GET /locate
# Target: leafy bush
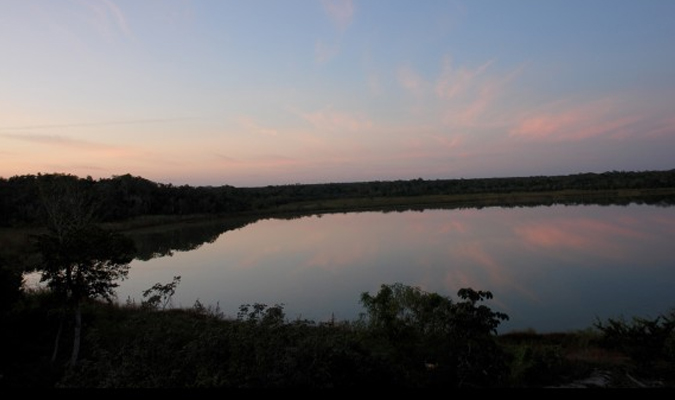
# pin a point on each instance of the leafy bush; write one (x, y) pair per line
(645, 340)
(438, 341)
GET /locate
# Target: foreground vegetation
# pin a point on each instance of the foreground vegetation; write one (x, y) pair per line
(406, 338)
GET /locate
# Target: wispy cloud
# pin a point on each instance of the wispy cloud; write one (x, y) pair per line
(460, 97)
(455, 81)
(324, 52)
(341, 12)
(108, 18)
(373, 74)
(563, 121)
(469, 97)
(57, 140)
(431, 146)
(487, 266)
(251, 125)
(664, 127)
(258, 161)
(89, 124)
(582, 234)
(332, 120)
(473, 108)
(335, 259)
(374, 83)
(85, 168)
(119, 18)
(410, 80)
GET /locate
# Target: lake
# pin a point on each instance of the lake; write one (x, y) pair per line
(550, 268)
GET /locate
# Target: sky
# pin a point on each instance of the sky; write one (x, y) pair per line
(276, 92)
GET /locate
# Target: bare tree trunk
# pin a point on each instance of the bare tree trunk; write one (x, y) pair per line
(58, 339)
(76, 335)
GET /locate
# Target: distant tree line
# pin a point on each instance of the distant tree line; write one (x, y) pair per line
(122, 197)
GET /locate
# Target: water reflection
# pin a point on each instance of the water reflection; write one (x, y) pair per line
(550, 268)
(165, 240)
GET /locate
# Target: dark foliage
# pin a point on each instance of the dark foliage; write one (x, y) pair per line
(438, 341)
(10, 286)
(144, 347)
(87, 263)
(406, 339)
(123, 197)
(650, 342)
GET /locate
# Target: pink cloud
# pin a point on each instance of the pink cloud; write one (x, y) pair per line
(552, 236)
(331, 120)
(64, 141)
(411, 81)
(460, 97)
(251, 125)
(266, 161)
(477, 253)
(456, 279)
(426, 147)
(496, 271)
(454, 82)
(374, 83)
(447, 142)
(662, 127)
(454, 226)
(469, 98)
(341, 12)
(324, 52)
(70, 125)
(576, 123)
(336, 259)
(475, 108)
(119, 18)
(255, 259)
(107, 18)
(581, 234)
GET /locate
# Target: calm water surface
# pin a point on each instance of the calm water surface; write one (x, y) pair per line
(554, 268)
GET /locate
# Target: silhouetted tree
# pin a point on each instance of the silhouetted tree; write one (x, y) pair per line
(442, 341)
(79, 259)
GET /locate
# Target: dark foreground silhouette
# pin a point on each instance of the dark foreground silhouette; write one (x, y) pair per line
(406, 338)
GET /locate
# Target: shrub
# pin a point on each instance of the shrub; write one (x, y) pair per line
(438, 341)
(644, 340)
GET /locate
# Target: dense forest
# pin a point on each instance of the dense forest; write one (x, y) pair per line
(123, 197)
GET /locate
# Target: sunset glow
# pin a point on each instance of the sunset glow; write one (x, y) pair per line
(268, 92)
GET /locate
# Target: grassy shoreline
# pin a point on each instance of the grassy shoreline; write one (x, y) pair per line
(386, 204)
(479, 200)
(14, 239)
